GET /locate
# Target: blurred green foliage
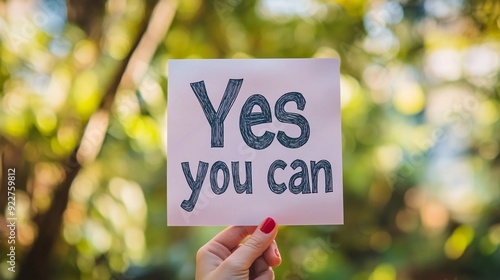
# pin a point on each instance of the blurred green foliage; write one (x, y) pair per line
(420, 120)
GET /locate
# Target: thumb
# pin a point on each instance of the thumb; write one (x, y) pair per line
(255, 245)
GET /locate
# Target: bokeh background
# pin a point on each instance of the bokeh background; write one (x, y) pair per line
(82, 119)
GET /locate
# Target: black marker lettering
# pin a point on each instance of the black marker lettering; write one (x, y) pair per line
(292, 118)
(219, 165)
(247, 186)
(303, 187)
(194, 185)
(326, 166)
(249, 119)
(275, 188)
(216, 119)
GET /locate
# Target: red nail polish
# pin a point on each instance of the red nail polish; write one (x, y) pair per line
(277, 253)
(268, 225)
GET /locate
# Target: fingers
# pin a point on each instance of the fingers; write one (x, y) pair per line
(272, 255)
(230, 238)
(212, 254)
(233, 236)
(266, 275)
(261, 270)
(226, 253)
(255, 246)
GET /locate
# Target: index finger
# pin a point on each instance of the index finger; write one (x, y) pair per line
(232, 236)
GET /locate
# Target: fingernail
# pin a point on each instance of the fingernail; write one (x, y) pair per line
(268, 225)
(277, 253)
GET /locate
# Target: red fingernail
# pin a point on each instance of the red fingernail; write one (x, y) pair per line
(277, 253)
(268, 225)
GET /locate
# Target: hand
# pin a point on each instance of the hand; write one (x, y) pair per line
(226, 257)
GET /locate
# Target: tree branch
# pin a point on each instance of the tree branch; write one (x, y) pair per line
(36, 264)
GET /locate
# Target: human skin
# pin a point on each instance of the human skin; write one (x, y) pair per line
(229, 256)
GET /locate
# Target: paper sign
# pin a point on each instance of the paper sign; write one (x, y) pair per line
(254, 138)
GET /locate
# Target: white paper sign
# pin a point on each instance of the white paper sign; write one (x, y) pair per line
(254, 138)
